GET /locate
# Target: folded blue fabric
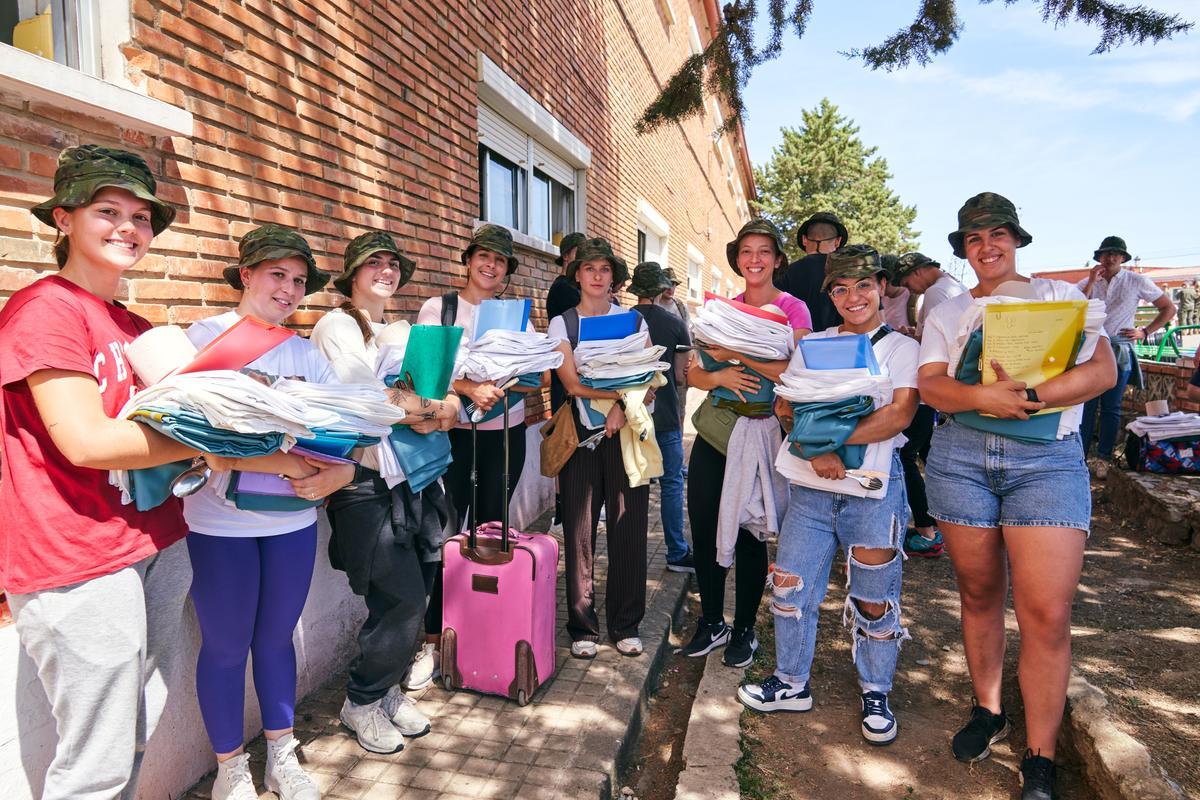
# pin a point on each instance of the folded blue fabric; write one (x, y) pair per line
(151, 486)
(1038, 428)
(819, 428)
(532, 379)
(424, 457)
(336, 443)
(616, 384)
(252, 501)
(194, 430)
(766, 387)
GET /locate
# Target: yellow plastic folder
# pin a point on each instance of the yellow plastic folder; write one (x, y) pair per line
(1033, 341)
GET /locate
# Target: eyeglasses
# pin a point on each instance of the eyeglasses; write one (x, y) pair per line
(862, 287)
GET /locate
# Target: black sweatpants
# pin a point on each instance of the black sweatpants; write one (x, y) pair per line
(591, 479)
(372, 542)
(706, 473)
(919, 433)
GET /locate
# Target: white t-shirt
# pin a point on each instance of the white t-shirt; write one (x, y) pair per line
(943, 289)
(895, 309)
(939, 344)
(431, 314)
(212, 515)
(1121, 296)
(897, 355)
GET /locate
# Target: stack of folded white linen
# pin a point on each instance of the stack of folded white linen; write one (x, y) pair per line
(722, 323)
(501, 355)
(800, 385)
(615, 364)
(1177, 425)
(360, 408)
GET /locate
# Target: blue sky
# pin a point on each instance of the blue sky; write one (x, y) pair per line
(1085, 145)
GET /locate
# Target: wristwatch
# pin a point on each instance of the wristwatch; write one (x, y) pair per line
(621, 402)
(1031, 396)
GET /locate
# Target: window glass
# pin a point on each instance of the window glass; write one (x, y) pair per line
(562, 211)
(539, 206)
(59, 30)
(641, 246)
(502, 187)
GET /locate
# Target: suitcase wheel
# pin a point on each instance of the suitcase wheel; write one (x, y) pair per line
(525, 681)
(450, 659)
(522, 698)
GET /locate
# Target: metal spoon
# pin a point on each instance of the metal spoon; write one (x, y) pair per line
(869, 482)
(192, 479)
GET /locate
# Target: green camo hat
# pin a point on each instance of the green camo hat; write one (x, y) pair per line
(760, 226)
(495, 238)
(983, 211)
(592, 249)
(1112, 244)
(887, 263)
(909, 263)
(827, 217)
(851, 261)
(363, 247)
(270, 242)
(649, 280)
(569, 243)
(82, 171)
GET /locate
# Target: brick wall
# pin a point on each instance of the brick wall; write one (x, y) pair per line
(335, 122)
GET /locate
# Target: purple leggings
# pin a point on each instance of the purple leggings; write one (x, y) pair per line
(248, 594)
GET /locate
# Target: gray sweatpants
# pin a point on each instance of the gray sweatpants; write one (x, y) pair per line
(105, 651)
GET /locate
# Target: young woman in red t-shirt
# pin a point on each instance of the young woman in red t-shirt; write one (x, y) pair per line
(97, 587)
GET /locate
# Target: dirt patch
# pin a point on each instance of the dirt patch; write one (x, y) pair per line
(654, 768)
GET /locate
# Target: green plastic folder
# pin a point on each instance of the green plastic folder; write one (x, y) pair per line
(429, 359)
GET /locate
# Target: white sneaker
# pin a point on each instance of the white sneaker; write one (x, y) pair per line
(373, 726)
(584, 649)
(425, 669)
(233, 780)
(404, 714)
(285, 777)
(630, 646)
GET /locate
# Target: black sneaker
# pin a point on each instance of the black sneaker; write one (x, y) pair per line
(742, 644)
(1037, 777)
(708, 637)
(775, 694)
(879, 726)
(685, 564)
(974, 742)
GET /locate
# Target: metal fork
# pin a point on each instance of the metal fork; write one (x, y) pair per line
(869, 482)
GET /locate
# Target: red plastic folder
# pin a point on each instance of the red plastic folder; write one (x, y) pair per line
(753, 311)
(242, 344)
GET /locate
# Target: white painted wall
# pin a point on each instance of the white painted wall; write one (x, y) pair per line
(178, 754)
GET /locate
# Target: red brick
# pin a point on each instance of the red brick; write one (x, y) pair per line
(154, 314)
(153, 39)
(148, 290)
(217, 24)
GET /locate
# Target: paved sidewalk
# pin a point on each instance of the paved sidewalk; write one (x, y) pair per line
(565, 744)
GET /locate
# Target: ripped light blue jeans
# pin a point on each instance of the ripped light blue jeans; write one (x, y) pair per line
(816, 524)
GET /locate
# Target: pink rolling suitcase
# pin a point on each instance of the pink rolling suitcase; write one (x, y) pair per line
(499, 604)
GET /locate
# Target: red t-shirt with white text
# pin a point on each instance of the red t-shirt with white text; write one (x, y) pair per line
(61, 524)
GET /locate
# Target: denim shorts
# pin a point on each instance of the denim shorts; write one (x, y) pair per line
(984, 480)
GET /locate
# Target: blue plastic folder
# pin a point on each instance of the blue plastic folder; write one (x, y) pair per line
(501, 315)
(429, 358)
(610, 326)
(849, 351)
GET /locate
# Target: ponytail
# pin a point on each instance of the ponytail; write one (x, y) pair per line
(359, 317)
(62, 248)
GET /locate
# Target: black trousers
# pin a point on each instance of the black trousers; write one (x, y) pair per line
(706, 473)
(373, 543)
(919, 433)
(591, 479)
(490, 490)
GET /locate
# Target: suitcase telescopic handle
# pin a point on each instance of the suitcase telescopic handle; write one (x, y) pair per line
(504, 498)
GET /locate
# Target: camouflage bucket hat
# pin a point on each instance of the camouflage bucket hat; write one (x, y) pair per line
(851, 261)
(1112, 244)
(826, 217)
(269, 242)
(909, 263)
(649, 280)
(363, 247)
(761, 227)
(592, 249)
(887, 263)
(82, 171)
(496, 239)
(569, 243)
(983, 211)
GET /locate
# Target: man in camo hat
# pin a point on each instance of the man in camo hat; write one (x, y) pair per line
(667, 330)
(921, 275)
(1122, 291)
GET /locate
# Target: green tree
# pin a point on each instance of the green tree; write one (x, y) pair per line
(726, 64)
(824, 166)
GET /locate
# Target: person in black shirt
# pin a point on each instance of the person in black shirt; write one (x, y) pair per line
(563, 295)
(667, 330)
(820, 235)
